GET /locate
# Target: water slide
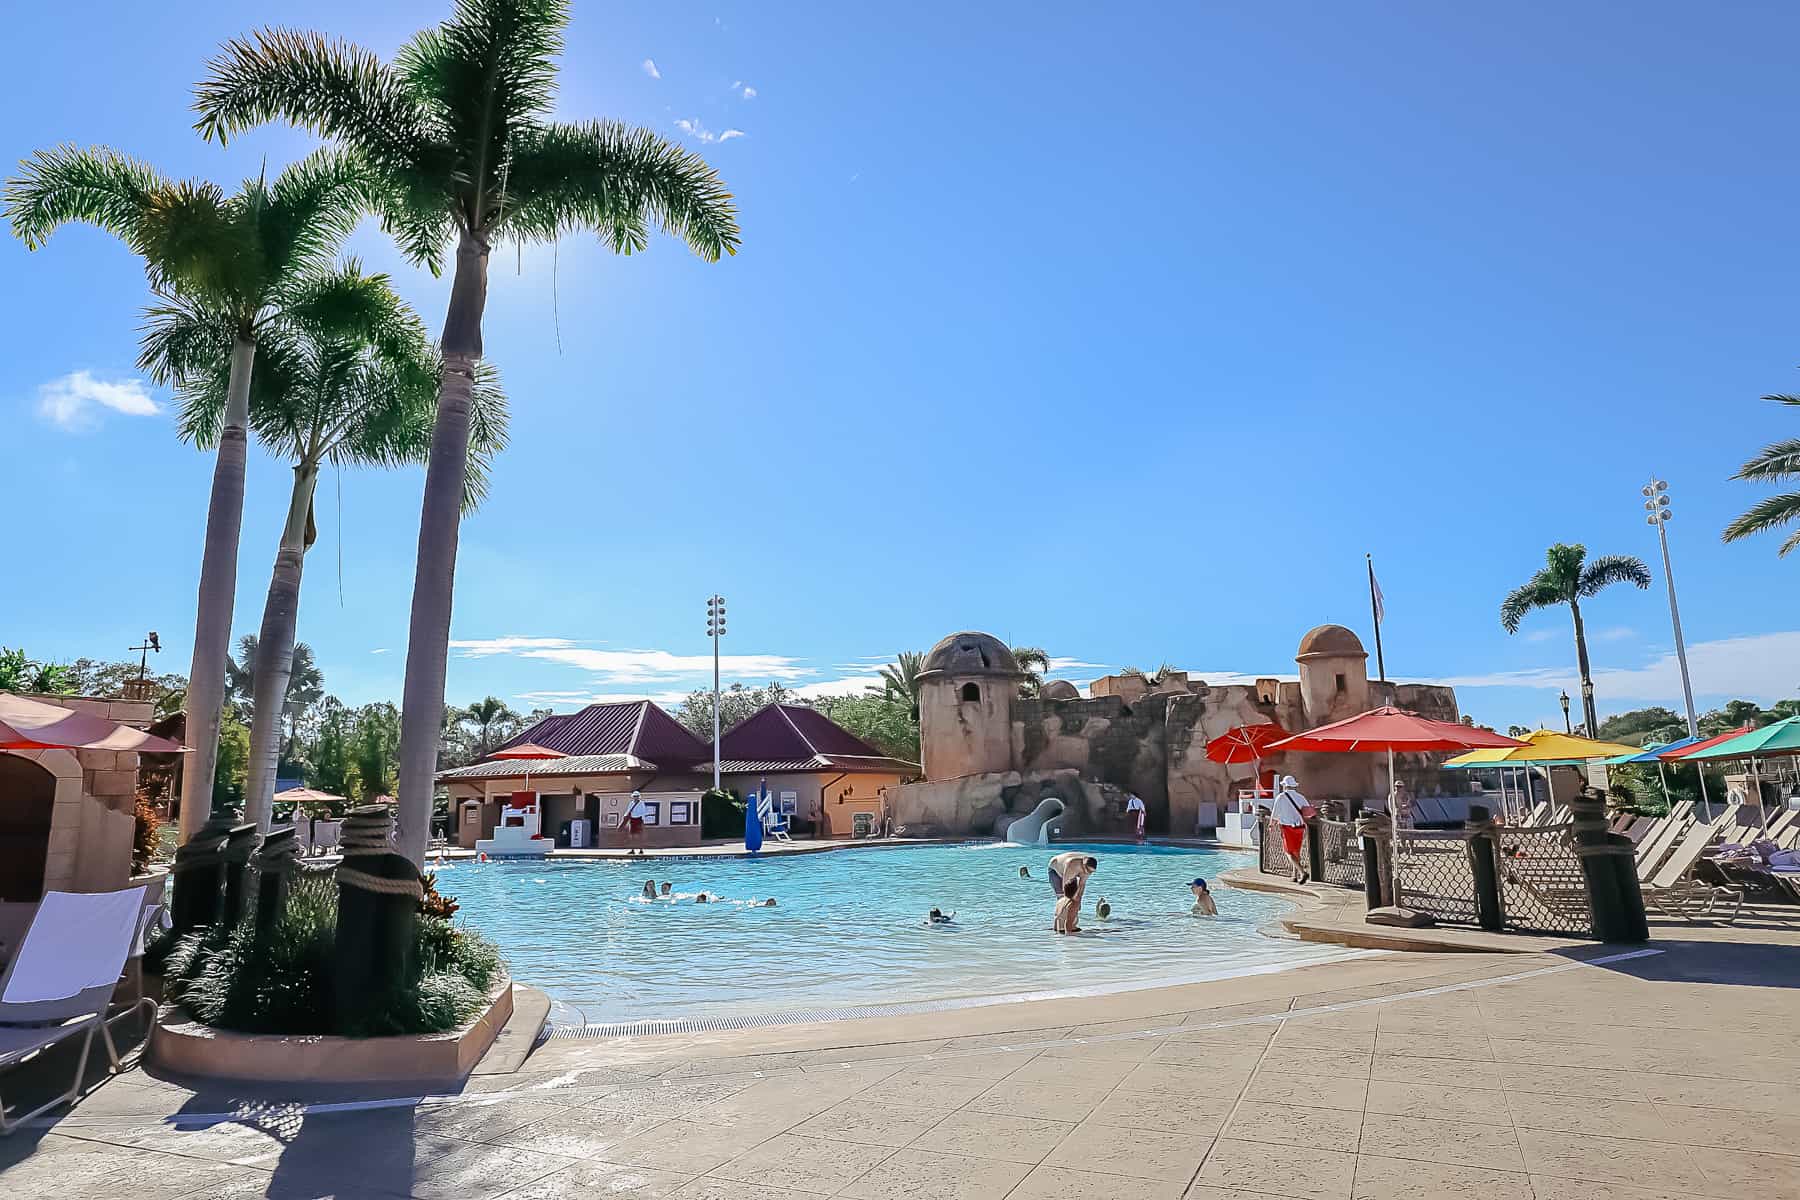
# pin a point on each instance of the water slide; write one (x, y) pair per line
(1035, 829)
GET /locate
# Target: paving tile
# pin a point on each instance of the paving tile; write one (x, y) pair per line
(1320, 1035)
(1169, 1112)
(1295, 1173)
(1569, 1081)
(1180, 1080)
(730, 1189)
(1301, 1060)
(1274, 1088)
(1126, 1050)
(587, 1180)
(1038, 1099)
(933, 1175)
(1073, 1072)
(426, 1167)
(1549, 1187)
(1209, 1055)
(1382, 1178)
(1734, 1130)
(686, 1149)
(993, 1135)
(1291, 1125)
(982, 1064)
(938, 1093)
(1608, 1118)
(1706, 1092)
(869, 1122)
(1442, 1072)
(1061, 1183)
(580, 1133)
(1609, 1160)
(802, 1164)
(1566, 1054)
(1436, 1100)
(1494, 1147)
(480, 1122)
(1140, 1154)
(1735, 1173)
(1472, 1048)
(1201, 1191)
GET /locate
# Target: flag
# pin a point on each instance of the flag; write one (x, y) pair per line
(1375, 595)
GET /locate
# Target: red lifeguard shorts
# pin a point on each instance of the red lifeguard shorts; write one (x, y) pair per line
(637, 824)
(1291, 837)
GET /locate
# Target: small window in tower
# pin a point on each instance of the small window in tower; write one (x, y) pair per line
(971, 691)
(1342, 684)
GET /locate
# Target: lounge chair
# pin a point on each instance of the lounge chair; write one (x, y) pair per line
(60, 984)
(1674, 890)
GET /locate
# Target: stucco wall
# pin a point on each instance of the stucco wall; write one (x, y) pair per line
(965, 737)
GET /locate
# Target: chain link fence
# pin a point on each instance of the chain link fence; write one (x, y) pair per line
(1436, 876)
(1340, 851)
(1542, 888)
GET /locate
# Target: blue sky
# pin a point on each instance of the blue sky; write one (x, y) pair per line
(1122, 330)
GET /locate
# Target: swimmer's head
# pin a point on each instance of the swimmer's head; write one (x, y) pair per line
(769, 903)
(1069, 889)
(1093, 864)
(1199, 885)
(1024, 872)
(665, 887)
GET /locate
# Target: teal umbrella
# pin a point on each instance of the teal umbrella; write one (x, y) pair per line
(1783, 737)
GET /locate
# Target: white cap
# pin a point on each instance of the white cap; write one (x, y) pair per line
(1288, 781)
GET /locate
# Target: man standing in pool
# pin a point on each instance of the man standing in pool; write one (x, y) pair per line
(1072, 868)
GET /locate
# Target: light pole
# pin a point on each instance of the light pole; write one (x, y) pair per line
(1656, 512)
(1567, 728)
(715, 629)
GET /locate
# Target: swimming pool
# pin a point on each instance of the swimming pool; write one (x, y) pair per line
(849, 929)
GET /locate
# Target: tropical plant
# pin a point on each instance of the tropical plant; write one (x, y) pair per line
(239, 260)
(19, 672)
(458, 135)
(880, 720)
(1568, 578)
(349, 381)
(1034, 662)
(1779, 462)
(306, 686)
(377, 740)
(737, 703)
(900, 681)
(490, 721)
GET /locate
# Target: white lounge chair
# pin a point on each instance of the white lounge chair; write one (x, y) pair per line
(1674, 889)
(60, 984)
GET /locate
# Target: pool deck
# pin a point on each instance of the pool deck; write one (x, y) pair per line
(1551, 1072)
(734, 848)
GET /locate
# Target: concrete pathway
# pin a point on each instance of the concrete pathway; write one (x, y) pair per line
(1566, 1075)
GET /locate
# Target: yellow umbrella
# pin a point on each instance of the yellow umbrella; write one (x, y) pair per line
(1485, 757)
(1548, 746)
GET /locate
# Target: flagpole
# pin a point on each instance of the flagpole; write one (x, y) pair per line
(1375, 611)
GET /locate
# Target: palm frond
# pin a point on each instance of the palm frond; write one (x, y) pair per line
(1540, 591)
(181, 339)
(335, 89)
(489, 418)
(99, 187)
(1778, 460)
(1767, 514)
(313, 206)
(1782, 398)
(615, 179)
(1609, 569)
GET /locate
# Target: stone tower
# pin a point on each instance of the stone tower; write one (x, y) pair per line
(1334, 674)
(967, 690)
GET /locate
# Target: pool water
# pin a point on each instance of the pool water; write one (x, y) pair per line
(849, 929)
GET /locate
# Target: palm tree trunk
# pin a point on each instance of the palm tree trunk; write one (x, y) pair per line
(440, 520)
(218, 589)
(1587, 681)
(275, 651)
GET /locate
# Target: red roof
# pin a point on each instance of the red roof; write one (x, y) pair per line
(635, 727)
(795, 734)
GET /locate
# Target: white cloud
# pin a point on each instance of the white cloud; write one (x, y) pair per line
(701, 133)
(584, 698)
(1543, 635)
(73, 401)
(650, 69)
(380, 650)
(1059, 665)
(743, 89)
(1618, 633)
(1760, 667)
(849, 685)
(633, 666)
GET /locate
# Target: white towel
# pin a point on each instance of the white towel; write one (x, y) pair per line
(76, 941)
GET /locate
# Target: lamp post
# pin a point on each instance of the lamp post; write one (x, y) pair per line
(1567, 728)
(1656, 512)
(715, 629)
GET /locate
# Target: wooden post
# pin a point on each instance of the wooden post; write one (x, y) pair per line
(240, 844)
(1376, 833)
(378, 898)
(1484, 866)
(275, 862)
(199, 877)
(1609, 871)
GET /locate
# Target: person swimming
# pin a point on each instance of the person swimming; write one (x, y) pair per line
(667, 888)
(649, 889)
(1024, 872)
(1204, 905)
(769, 903)
(702, 898)
(936, 917)
(1068, 910)
(1103, 908)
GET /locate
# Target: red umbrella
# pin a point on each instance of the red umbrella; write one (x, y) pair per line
(1677, 753)
(1395, 731)
(1245, 743)
(528, 750)
(35, 725)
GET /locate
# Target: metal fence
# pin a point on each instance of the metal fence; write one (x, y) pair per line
(1542, 889)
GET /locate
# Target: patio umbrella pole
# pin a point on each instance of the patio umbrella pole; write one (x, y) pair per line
(1394, 828)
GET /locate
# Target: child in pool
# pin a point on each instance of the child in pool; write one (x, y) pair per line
(1068, 910)
(936, 917)
(1024, 872)
(1203, 899)
(702, 898)
(649, 889)
(666, 890)
(1103, 908)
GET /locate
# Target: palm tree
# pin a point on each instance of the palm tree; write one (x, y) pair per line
(900, 681)
(351, 384)
(1034, 662)
(1779, 462)
(1568, 578)
(239, 260)
(457, 132)
(494, 722)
